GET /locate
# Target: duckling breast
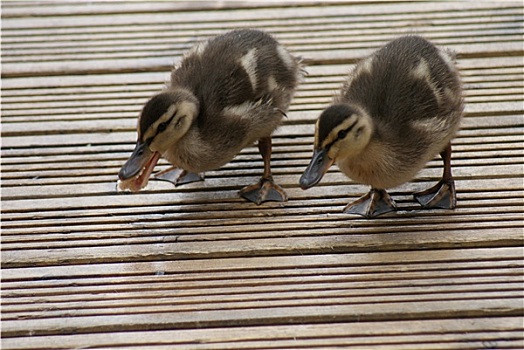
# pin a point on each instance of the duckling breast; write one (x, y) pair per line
(381, 166)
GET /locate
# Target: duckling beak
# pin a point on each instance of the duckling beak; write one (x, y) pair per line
(135, 173)
(319, 165)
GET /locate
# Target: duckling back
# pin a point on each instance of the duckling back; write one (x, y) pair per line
(244, 81)
(407, 79)
(412, 93)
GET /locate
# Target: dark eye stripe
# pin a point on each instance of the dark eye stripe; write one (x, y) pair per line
(163, 126)
(344, 131)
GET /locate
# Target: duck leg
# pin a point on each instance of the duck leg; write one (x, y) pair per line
(376, 202)
(178, 176)
(443, 194)
(265, 189)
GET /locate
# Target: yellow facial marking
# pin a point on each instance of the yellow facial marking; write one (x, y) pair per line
(152, 130)
(333, 135)
(316, 134)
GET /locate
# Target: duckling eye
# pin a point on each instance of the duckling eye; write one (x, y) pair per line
(342, 134)
(162, 126)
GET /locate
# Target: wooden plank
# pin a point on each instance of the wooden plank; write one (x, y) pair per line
(31, 85)
(290, 34)
(241, 265)
(502, 89)
(93, 170)
(222, 293)
(221, 227)
(161, 304)
(155, 63)
(162, 44)
(203, 291)
(231, 290)
(71, 158)
(467, 141)
(480, 78)
(231, 264)
(505, 99)
(320, 239)
(218, 216)
(173, 198)
(474, 80)
(158, 44)
(126, 124)
(366, 12)
(325, 267)
(480, 200)
(47, 99)
(480, 171)
(249, 317)
(11, 9)
(164, 63)
(195, 247)
(468, 332)
(292, 28)
(103, 135)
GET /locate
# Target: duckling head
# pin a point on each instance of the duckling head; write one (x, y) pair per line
(342, 131)
(164, 120)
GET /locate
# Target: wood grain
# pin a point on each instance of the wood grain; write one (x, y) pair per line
(197, 267)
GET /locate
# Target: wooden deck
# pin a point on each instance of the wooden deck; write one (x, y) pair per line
(197, 267)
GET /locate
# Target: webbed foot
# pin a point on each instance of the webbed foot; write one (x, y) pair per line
(264, 190)
(178, 176)
(442, 195)
(374, 203)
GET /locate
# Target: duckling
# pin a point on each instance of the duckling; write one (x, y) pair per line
(398, 108)
(228, 92)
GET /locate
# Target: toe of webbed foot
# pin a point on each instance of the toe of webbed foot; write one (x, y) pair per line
(373, 204)
(442, 196)
(178, 176)
(264, 190)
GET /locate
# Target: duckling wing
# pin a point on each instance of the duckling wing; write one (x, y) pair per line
(407, 80)
(239, 71)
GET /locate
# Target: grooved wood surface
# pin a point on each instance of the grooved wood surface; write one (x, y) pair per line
(197, 267)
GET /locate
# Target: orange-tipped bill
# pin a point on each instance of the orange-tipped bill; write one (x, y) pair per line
(319, 165)
(135, 173)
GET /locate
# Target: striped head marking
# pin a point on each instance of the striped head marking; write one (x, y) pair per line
(343, 130)
(166, 118)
